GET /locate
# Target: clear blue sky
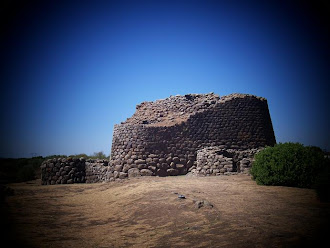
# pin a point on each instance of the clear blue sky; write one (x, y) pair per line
(70, 71)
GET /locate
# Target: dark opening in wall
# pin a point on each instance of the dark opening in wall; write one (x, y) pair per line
(236, 165)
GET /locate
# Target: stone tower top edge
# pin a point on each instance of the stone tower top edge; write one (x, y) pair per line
(178, 108)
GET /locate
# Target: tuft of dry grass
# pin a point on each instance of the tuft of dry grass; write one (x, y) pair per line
(146, 212)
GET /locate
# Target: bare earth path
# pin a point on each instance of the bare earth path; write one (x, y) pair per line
(146, 212)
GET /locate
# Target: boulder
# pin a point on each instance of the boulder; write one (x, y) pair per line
(176, 160)
(172, 172)
(142, 166)
(146, 172)
(161, 173)
(149, 160)
(202, 203)
(162, 160)
(152, 168)
(118, 168)
(180, 166)
(183, 161)
(169, 160)
(134, 172)
(183, 171)
(163, 166)
(122, 175)
(126, 168)
(153, 156)
(140, 161)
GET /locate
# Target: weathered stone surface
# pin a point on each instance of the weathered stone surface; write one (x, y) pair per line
(172, 172)
(152, 168)
(142, 166)
(163, 166)
(126, 167)
(122, 175)
(176, 160)
(134, 172)
(180, 166)
(202, 203)
(146, 172)
(161, 173)
(168, 160)
(118, 168)
(140, 161)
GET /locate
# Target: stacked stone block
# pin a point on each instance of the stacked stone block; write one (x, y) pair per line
(63, 171)
(98, 171)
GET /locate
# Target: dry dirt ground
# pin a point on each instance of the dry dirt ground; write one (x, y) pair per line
(146, 212)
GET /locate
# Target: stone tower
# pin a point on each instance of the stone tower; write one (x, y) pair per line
(165, 136)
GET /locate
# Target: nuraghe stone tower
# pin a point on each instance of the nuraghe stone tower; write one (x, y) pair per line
(201, 133)
(198, 133)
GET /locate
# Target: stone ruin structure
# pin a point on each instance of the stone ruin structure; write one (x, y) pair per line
(198, 133)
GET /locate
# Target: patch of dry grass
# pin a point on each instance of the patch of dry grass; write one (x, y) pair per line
(145, 212)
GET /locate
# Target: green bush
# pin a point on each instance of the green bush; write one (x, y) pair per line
(288, 164)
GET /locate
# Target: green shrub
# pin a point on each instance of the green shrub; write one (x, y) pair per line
(288, 164)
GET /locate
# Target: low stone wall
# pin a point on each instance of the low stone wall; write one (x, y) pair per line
(98, 171)
(210, 161)
(63, 171)
(215, 161)
(74, 170)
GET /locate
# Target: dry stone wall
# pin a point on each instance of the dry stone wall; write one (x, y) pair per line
(215, 161)
(74, 170)
(63, 171)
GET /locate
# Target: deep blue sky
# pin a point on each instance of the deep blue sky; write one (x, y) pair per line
(70, 71)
